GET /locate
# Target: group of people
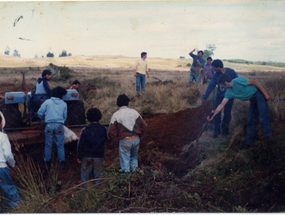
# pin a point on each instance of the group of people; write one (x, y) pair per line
(229, 87)
(127, 126)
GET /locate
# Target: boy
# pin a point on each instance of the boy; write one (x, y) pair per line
(245, 89)
(10, 190)
(90, 148)
(140, 71)
(125, 129)
(75, 85)
(54, 111)
(220, 124)
(42, 86)
(197, 62)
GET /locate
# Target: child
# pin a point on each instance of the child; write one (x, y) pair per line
(10, 190)
(244, 89)
(54, 111)
(90, 148)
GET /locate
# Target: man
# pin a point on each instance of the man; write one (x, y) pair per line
(126, 128)
(198, 61)
(140, 71)
(43, 91)
(75, 85)
(209, 70)
(219, 69)
(245, 89)
(54, 111)
(10, 191)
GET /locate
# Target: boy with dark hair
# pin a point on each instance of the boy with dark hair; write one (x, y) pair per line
(54, 111)
(219, 125)
(10, 190)
(245, 89)
(125, 129)
(198, 61)
(42, 86)
(90, 148)
(209, 70)
(75, 85)
(140, 71)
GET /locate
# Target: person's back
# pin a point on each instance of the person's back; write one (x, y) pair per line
(90, 148)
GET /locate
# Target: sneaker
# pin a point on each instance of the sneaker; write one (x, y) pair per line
(62, 165)
(215, 134)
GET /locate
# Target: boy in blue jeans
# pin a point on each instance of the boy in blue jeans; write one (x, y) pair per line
(10, 190)
(54, 111)
(90, 148)
(245, 89)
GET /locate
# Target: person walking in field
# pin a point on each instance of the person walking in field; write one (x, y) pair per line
(140, 71)
(198, 61)
(125, 129)
(219, 125)
(90, 148)
(10, 190)
(245, 89)
(54, 111)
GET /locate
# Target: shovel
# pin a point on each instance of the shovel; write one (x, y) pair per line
(192, 145)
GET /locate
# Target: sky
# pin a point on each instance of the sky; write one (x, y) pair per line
(249, 30)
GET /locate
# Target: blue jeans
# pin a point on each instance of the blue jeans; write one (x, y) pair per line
(128, 152)
(91, 166)
(226, 119)
(140, 82)
(54, 131)
(258, 110)
(194, 76)
(10, 190)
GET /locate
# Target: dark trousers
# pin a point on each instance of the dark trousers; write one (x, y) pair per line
(226, 119)
(258, 110)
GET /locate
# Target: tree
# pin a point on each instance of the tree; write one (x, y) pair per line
(7, 50)
(16, 53)
(209, 51)
(63, 54)
(49, 54)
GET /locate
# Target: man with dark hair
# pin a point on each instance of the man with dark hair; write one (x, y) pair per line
(75, 85)
(54, 111)
(140, 71)
(245, 89)
(126, 128)
(198, 62)
(219, 69)
(208, 68)
(42, 86)
(10, 191)
(90, 148)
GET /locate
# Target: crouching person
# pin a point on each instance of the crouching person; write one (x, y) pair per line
(54, 111)
(125, 129)
(90, 148)
(10, 190)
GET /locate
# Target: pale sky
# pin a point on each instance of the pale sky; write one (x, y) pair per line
(250, 30)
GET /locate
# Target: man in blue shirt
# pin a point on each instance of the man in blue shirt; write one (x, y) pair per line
(219, 69)
(198, 61)
(244, 89)
(54, 111)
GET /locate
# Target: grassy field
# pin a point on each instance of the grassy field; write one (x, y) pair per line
(223, 179)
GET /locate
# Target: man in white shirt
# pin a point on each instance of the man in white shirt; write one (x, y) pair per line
(140, 71)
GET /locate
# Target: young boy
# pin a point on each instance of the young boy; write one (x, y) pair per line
(245, 89)
(54, 111)
(75, 85)
(42, 86)
(90, 148)
(10, 190)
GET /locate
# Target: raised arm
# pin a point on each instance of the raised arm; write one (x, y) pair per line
(191, 52)
(259, 87)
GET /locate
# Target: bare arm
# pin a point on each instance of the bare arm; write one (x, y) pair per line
(135, 72)
(218, 109)
(259, 87)
(147, 74)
